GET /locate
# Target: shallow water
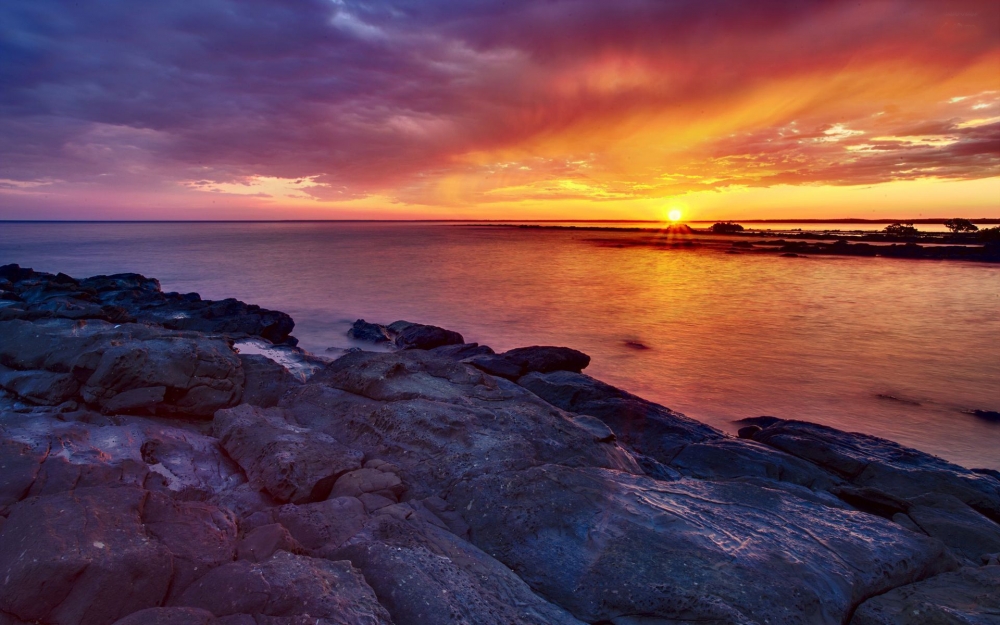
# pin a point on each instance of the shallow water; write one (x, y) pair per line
(892, 347)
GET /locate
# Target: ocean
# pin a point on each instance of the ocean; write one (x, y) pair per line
(897, 348)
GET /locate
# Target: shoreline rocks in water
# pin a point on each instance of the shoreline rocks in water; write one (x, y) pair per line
(152, 473)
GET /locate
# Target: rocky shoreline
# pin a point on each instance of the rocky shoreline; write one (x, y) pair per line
(153, 472)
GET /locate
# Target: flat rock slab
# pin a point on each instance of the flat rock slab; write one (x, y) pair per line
(688, 550)
(293, 464)
(968, 596)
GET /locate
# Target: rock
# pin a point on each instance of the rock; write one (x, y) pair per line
(729, 458)
(127, 368)
(200, 376)
(288, 585)
(169, 616)
(291, 463)
(497, 365)
(968, 596)
(81, 557)
(869, 461)
(44, 455)
(462, 351)
(645, 427)
(199, 536)
(441, 422)
(131, 297)
(748, 431)
(261, 542)
(355, 483)
(872, 501)
(546, 359)
(39, 387)
(687, 550)
(425, 575)
(265, 380)
(419, 336)
(966, 532)
(369, 332)
(318, 527)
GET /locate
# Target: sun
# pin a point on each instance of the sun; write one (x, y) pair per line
(674, 214)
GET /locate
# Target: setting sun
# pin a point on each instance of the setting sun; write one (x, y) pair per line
(674, 215)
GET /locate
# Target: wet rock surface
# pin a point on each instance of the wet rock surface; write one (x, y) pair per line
(153, 472)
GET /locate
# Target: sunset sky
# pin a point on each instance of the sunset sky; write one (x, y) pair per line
(586, 109)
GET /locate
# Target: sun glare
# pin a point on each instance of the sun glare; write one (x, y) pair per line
(674, 214)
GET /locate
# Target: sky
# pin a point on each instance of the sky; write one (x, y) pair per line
(499, 109)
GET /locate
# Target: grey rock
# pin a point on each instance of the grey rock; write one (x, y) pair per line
(291, 463)
(968, 596)
(288, 585)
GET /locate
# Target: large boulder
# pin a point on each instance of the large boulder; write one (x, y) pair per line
(607, 545)
(967, 596)
(291, 463)
(124, 369)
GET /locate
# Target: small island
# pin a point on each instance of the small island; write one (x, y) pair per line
(170, 460)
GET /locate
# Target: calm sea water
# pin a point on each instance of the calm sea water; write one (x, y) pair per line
(826, 339)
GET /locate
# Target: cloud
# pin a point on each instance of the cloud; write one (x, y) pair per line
(423, 101)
